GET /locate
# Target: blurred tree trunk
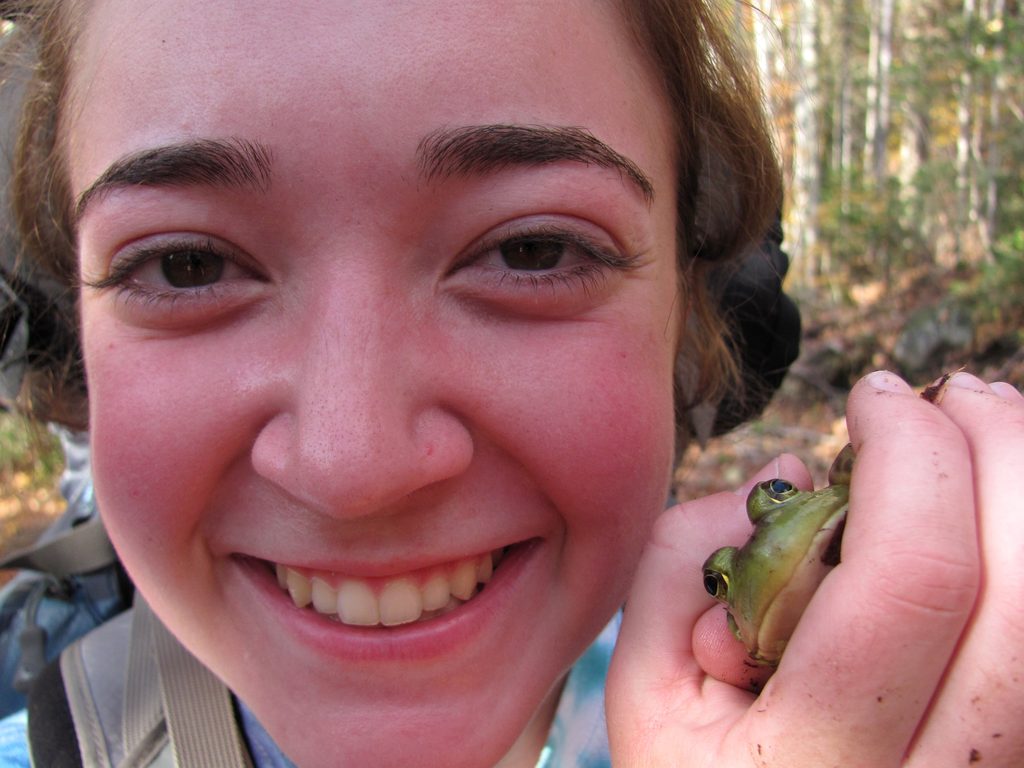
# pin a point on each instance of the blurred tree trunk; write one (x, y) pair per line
(844, 130)
(879, 120)
(765, 46)
(967, 192)
(871, 87)
(915, 121)
(766, 23)
(996, 25)
(879, 111)
(806, 192)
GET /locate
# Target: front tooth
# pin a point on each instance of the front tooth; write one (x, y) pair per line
(436, 593)
(299, 588)
(464, 580)
(357, 604)
(400, 602)
(282, 576)
(325, 599)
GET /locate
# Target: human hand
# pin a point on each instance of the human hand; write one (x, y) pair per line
(911, 652)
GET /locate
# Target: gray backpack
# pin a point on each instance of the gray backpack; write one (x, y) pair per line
(128, 695)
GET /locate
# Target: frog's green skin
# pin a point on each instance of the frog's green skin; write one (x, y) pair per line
(767, 583)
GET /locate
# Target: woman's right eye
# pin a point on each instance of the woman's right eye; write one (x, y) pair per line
(191, 268)
(194, 277)
(172, 266)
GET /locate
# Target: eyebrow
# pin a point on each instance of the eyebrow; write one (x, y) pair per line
(479, 149)
(211, 162)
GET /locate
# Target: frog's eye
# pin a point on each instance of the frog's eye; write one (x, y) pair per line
(778, 489)
(716, 583)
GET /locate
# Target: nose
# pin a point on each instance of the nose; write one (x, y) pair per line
(364, 419)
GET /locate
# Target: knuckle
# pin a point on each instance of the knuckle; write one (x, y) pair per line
(933, 585)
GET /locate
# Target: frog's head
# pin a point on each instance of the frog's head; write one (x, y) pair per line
(767, 583)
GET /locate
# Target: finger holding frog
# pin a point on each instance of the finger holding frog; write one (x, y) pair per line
(832, 661)
(861, 671)
(872, 647)
(977, 713)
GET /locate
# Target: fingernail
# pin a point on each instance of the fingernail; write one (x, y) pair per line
(964, 380)
(1007, 391)
(885, 381)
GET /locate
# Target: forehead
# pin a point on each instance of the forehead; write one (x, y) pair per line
(377, 75)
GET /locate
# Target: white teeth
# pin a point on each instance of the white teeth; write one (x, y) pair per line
(436, 593)
(299, 588)
(325, 599)
(401, 601)
(356, 604)
(464, 580)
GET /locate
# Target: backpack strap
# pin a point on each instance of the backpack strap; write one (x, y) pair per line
(197, 705)
(51, 731)
(161, 708)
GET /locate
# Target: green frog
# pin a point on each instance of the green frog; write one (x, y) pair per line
(767, 583)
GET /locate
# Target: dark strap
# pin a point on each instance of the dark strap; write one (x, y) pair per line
(51, 730)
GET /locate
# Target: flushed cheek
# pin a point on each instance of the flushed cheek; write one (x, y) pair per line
(163, 433)
(601, 436)
(613, 473)
(611, 402)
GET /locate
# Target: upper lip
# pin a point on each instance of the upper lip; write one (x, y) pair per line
(380, 568)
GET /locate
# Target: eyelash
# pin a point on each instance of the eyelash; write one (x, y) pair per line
(598, 260)
(122, 276)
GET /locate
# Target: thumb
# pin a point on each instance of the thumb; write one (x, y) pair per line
(658, 670)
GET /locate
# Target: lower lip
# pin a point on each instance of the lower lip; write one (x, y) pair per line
(415, 641)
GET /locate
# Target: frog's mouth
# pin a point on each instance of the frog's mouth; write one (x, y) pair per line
(393, 601)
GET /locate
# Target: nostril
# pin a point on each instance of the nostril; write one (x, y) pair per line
(269, 454)
(446, 443)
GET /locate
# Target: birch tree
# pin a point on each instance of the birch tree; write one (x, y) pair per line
(806, 192)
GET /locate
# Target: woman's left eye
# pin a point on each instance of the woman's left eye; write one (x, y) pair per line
(545, 255)
(552, 268)
(191, 268)
(532, 255)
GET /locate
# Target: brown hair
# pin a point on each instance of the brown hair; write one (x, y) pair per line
(729, 184)
(54, 388)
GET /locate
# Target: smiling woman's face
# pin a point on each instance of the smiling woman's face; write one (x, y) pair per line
(339, 332)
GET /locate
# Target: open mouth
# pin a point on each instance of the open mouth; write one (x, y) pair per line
(390, 602)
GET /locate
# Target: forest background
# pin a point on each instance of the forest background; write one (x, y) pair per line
(900, 125)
